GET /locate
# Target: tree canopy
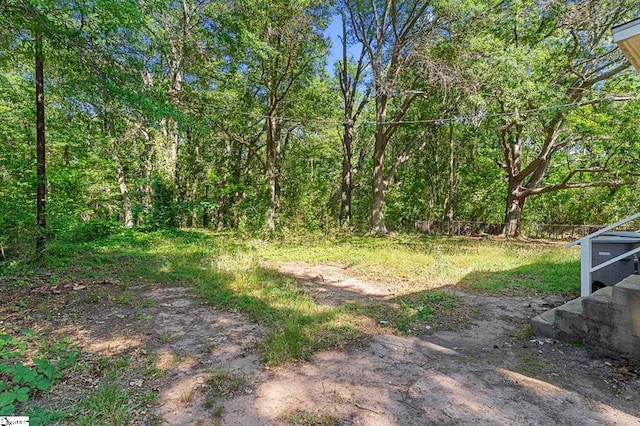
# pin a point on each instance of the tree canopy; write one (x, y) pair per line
(229, 115)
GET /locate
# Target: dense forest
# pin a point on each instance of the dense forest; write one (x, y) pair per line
(308, 114)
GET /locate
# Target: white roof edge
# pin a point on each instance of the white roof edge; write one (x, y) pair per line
(626, 30)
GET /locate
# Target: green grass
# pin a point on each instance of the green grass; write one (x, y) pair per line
(304, 418)
(110, 404)
(231, 271)
(421, 262)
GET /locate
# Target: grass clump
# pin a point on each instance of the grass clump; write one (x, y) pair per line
(222, 382)
(305, 418)
(110, 404)
(425, 306)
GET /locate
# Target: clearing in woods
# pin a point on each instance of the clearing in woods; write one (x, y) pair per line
(182, 361)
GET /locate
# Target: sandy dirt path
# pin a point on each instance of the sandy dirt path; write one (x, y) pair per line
(482, 374)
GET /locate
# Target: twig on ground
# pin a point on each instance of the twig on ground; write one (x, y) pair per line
(366, 408)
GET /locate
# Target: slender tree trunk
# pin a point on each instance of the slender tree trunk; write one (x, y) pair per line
(347, 171)
(222, 210)
(377, 205)
(148, 173)
(206, 218)
(41, 219)
(349, 84)
(273, 172)
(124, 192)
(240, 170)
(147, 191)
(224, 198)
(169, 150)
(452, 179)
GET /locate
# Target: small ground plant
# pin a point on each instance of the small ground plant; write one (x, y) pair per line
(21, 380)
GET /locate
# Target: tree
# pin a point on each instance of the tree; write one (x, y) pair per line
(287, 51)
(41, 218)
(393, 34)
(351, 76)
(548, 61)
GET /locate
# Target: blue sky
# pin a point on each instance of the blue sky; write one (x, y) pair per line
(335, 52)
(332, 31)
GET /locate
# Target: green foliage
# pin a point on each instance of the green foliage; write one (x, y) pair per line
(164, 213)
(18, 382)
(39, 416)
(207, 88)
(426, 306)
(92, 230)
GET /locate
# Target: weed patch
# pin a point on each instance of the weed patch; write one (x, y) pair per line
(19, 381)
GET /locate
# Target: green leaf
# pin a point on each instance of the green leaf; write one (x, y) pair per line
(22, 374)
(44, 366)
(43, 383)
(7, 409)
(6, 398)
(23, 394)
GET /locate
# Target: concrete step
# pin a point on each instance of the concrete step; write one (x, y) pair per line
(542, 325)
(627, 291)
(608, 319)
(565, 323)
(569, 323)
(598, 305)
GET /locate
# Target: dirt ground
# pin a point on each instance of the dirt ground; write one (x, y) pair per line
(489, 371)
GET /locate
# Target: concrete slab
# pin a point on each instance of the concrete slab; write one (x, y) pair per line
(598, 305)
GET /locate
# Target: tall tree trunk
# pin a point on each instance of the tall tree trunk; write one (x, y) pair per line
(169, 150)
(377, 215)
(41, 219)
(513, 214)
(347, 171)
(349, 84)
(206, 217)
(124, 193)
(148, 173)
(452, 179)
(273, 172)
(240, 179)
(224, 198)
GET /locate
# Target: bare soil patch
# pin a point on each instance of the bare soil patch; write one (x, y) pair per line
(204, 362)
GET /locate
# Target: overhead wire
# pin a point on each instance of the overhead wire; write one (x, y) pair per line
(439, 120)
